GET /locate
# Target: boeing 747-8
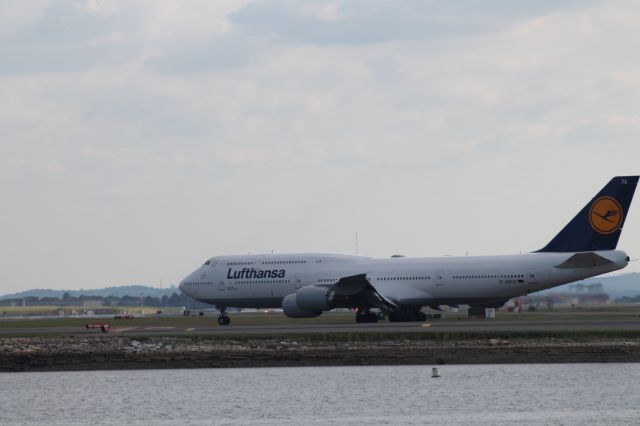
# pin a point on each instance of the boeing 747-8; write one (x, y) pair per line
(306, 285)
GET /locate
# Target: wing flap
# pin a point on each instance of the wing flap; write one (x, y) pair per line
(357, 284)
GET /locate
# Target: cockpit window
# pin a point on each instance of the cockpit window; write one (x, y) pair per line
(207, 262)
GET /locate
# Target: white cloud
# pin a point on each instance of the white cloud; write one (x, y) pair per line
(175, 21)
(99, 7)
(18, 15)
(324, 11)
(12, 169)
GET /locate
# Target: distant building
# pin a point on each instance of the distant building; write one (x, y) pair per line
(91, 303)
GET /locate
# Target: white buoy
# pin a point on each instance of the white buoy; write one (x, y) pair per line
(434, 372)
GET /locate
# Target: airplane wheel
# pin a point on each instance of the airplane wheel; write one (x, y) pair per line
(395, 317)
(224, 320)
(368, 317)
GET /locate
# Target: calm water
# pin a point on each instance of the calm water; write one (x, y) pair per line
(567, 394)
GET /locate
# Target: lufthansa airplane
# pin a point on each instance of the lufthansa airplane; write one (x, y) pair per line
(306, 285)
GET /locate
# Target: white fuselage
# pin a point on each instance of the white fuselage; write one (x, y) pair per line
(262, 281)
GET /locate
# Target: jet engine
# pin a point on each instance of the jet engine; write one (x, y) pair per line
(291, 309)
(308, 302)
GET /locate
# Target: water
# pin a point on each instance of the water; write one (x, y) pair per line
(558, 394)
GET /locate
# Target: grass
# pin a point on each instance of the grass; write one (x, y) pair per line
(27, 326)
(173, 321)
(151, 319)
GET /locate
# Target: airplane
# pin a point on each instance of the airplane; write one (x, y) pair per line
(305, 285)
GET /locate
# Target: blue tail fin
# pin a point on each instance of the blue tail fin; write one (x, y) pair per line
(599, 224)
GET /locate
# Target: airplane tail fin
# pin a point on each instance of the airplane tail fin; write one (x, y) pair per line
(599, 224)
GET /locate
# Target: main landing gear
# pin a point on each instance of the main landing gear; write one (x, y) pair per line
(407, 315)
(365, 315)
(223, 319)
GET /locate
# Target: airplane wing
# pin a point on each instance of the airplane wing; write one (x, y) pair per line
(359, 286)
(583, 260)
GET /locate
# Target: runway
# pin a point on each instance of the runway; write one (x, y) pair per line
(625, 323)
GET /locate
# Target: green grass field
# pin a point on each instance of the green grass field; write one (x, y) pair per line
(172, 321)
(151, 319)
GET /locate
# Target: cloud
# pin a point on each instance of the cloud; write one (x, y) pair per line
(211, 54)
(19, 169)
(610, 130)
(366, 21)
(17, 15)
(61, 36)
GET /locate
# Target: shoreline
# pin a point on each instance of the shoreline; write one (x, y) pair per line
(72, 353)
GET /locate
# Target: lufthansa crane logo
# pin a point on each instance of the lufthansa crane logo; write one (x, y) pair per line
(605, 215)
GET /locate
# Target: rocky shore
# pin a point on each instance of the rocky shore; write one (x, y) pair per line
(119, 352)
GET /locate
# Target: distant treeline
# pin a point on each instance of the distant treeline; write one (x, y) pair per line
(175, 300)
(635, 299)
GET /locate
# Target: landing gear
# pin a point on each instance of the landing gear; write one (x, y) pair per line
(479, 311)
(223, 319)
(476, 311)
(365, 315)
(407, 315)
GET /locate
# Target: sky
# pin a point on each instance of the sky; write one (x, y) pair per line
(139, 138)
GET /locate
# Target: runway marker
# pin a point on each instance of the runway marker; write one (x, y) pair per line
(425, 325)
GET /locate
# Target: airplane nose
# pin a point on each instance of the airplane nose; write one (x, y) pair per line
(184, 286)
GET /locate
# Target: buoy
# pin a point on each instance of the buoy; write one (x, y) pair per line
(434, 372)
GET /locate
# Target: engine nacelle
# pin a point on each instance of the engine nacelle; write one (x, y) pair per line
(290, 308)
(315, 299)
(308, 302)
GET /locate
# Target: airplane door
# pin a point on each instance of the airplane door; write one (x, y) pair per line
(532, 280)
(297, 281)
(221, 286)
(439, 277)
